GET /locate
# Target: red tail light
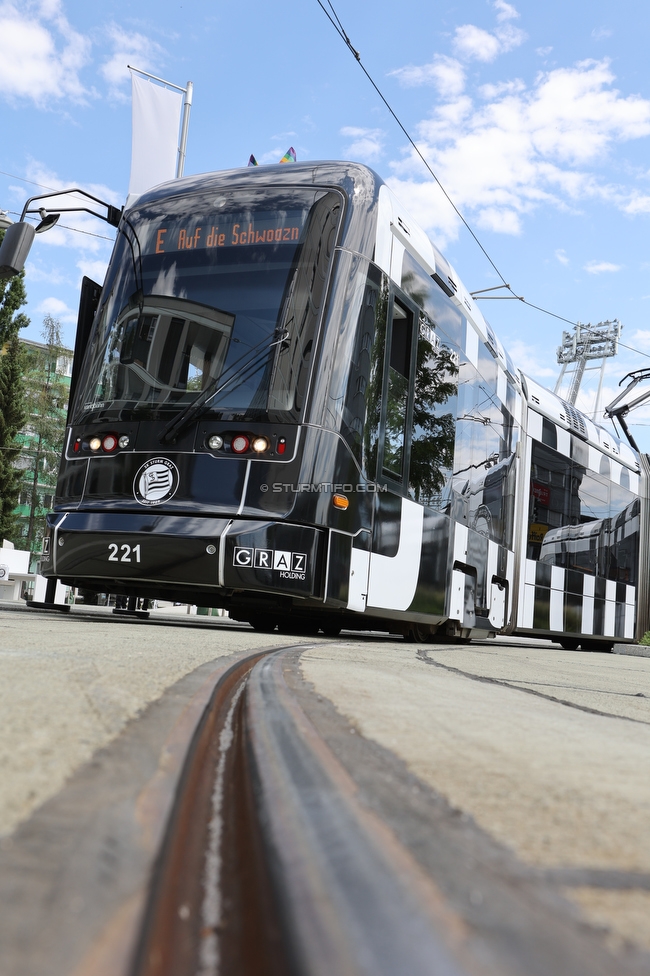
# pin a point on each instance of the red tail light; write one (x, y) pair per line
(240, 444)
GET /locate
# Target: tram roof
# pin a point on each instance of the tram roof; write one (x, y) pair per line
(363, 188)
(551, 406)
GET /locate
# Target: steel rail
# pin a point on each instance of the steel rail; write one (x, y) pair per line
(271, 868)
(209, 907)
(351, 900)
(276, 862)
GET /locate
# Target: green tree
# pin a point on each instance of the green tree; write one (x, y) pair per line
(12, 297)
(46, 397)
(12, 417)
(434, 431)
(12, 411)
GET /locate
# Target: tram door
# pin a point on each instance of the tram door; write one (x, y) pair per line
(397, 528)
(397, 400)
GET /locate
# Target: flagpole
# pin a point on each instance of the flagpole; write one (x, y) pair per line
(187, 105)
(185, 121)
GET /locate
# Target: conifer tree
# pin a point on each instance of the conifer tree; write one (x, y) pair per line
(12, 417)
(12, 297)
(12, 394)
(46, 397)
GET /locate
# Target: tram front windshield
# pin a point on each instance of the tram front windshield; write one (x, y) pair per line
(214, 296)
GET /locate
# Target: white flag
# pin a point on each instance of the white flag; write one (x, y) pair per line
(154, 147)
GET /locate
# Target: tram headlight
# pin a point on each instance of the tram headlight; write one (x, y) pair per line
(124, 440)
(215, 442)
(260, 444)
(95, 443)
(240, 443)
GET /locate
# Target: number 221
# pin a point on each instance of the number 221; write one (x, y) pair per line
(127, 551)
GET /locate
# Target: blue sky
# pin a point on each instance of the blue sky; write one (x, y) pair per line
(536, 117)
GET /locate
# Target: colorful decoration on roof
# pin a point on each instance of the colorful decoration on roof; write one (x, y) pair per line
(289, 156)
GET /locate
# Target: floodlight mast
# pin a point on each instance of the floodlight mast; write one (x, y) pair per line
(587, 342)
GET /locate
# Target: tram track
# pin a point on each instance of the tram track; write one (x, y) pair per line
(264, 835)
(270, 868)
(279, 861)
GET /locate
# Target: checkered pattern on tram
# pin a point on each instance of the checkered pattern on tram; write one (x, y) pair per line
(565, 601)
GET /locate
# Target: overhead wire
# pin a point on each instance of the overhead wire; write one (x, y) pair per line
(77, 230)
(340, 30)
(338, 27)
(43, 186)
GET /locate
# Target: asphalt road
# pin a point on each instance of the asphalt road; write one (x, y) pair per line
(545, 751)
(70, 683)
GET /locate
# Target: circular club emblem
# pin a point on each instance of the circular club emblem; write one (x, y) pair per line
(156, 481)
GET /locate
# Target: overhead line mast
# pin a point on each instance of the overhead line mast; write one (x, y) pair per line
(586, 343)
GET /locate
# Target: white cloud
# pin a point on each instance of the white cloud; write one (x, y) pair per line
(58, 309)
(366, 145)
(534, 361)
(598, 33)
(601, 267)
(427, 202)
(79, 231)
(447, 74)
(639, 203)
(128, 47)
(505, 11)
(560, 254)
(96, 270)
(526, 146)
(639, 339)
(41, 54)
(499, 219)
(53, 276)
(491, 92)
(476, 44)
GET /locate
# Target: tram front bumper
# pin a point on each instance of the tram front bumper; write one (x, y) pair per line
(233, 554)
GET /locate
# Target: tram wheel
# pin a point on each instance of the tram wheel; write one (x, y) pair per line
(418, 634)
(266, 625)
(298, 628)
(569, 643)
(331, 630)
(605, 647)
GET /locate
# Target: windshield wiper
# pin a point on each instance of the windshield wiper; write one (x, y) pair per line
(246, 362)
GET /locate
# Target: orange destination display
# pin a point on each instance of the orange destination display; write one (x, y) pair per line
(229, 230)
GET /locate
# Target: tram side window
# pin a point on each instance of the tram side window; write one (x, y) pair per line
(434, 419)
(303, 301)
(484, 473)
(442, 312)
(397, 391)
(579, 519)
(362, 405)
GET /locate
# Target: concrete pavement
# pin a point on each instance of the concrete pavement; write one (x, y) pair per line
(70, 683)
(547, 750)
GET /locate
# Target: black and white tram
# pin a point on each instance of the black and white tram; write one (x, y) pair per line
(286, 404)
